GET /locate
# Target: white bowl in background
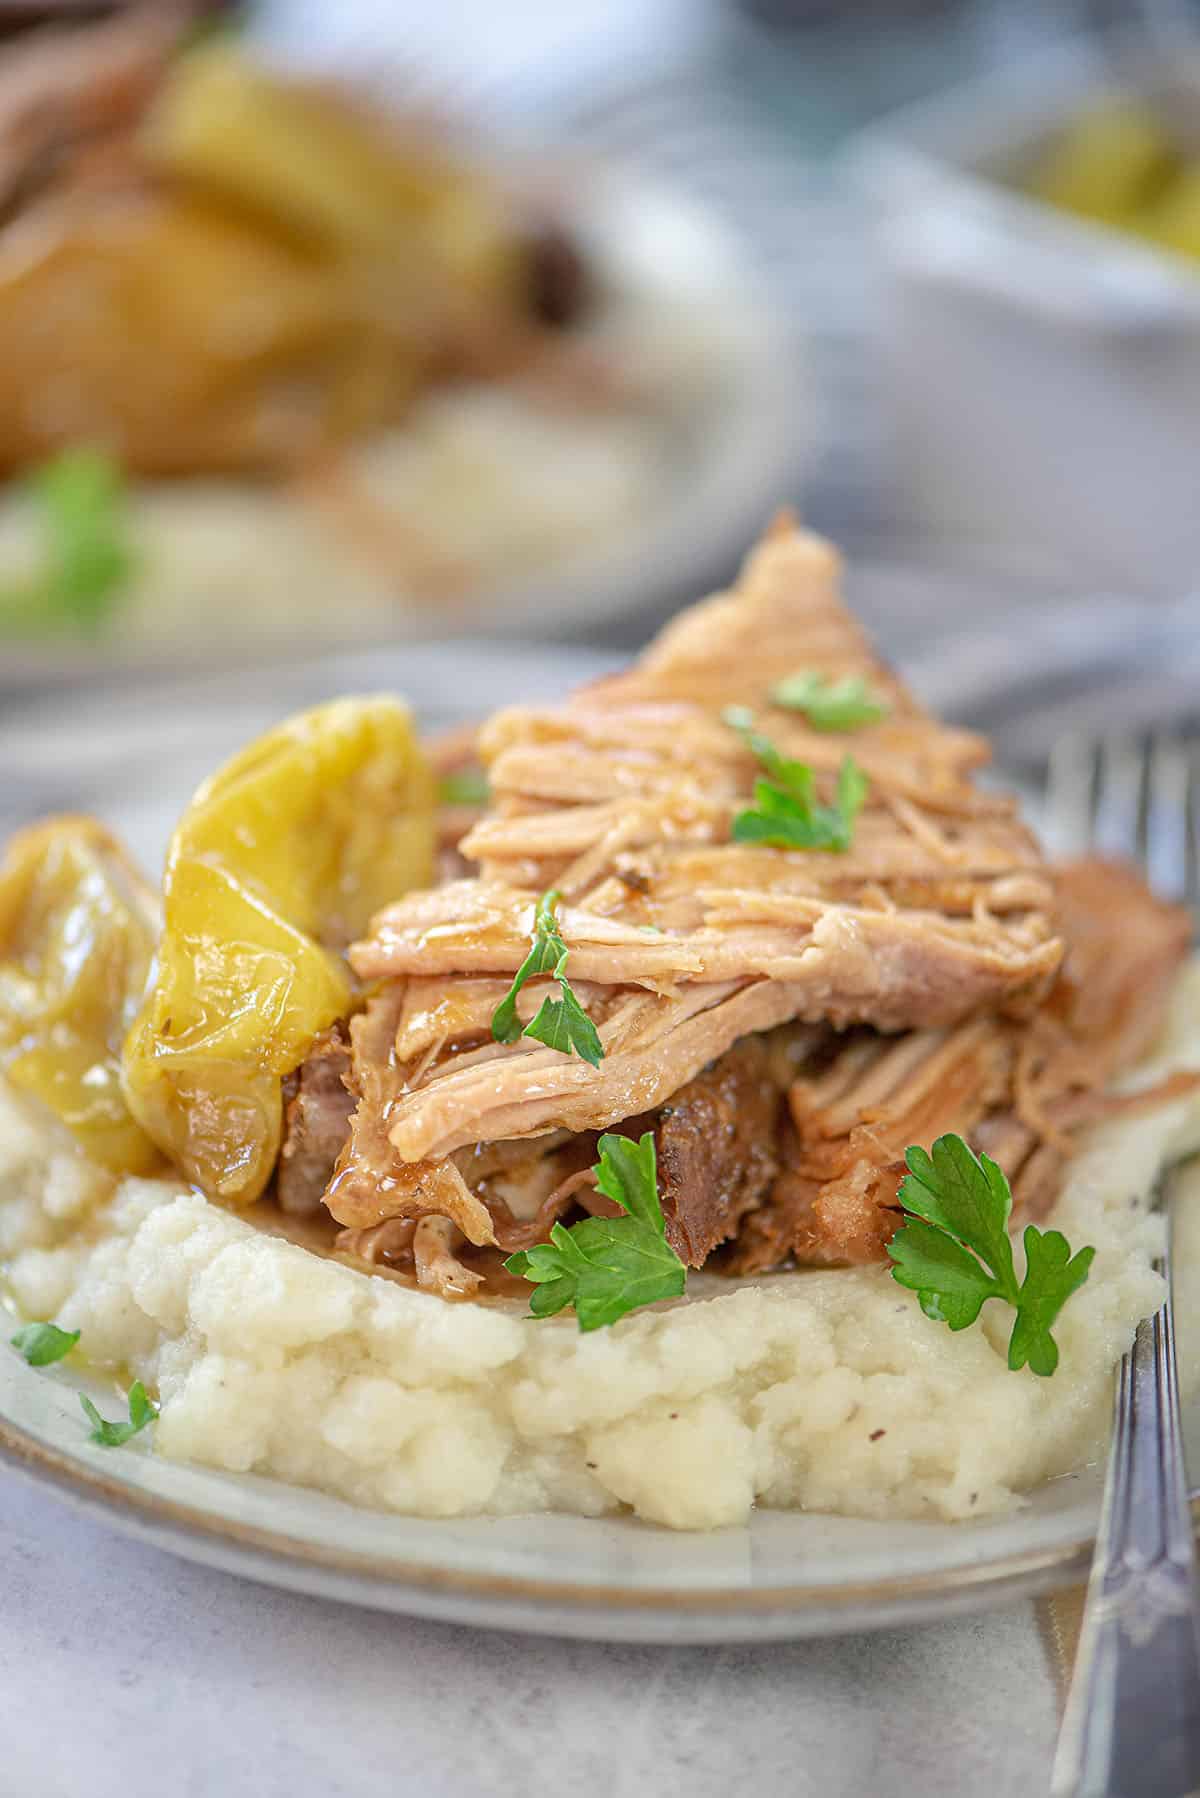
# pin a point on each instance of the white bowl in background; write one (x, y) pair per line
(1041, 374)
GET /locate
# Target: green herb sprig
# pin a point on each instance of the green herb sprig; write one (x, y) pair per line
(954, 1251)
(561, 1023)
(43, 1344)
(87, 556)
(142, 1410)
(786, 812)
(608, 1266)
(465, 786)
(833, 705)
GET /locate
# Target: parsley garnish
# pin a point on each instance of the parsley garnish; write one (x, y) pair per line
(561, 1024)
(564, 1025)
(830, 704)
(111, 1435)
(608, 1266)
(42, 1344)
(86, 555)
(954, 1251)
(466, 786)
(785, 810)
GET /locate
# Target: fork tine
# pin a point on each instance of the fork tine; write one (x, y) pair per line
(1170, 844)
(1192, 832)
(1120, 815)
(1132, 798)
(1070, 789)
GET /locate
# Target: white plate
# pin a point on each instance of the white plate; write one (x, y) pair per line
(785, 1575)
(736, 425)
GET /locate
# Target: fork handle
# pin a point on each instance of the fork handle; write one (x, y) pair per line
(1132, 1724)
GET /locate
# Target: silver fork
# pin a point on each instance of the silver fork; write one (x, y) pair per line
(1132, 1723)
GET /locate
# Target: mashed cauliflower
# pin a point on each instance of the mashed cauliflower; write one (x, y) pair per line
(828, 1390)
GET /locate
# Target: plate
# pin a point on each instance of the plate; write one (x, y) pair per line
(730, 418)
(785, 1575)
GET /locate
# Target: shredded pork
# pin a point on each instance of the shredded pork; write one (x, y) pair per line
(316, 1120)
(790, 1146)
(67, 89)
(1019, 1092)
(681, 941)
(787, 1023)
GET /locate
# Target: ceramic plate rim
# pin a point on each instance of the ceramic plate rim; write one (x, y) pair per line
(560, 1607)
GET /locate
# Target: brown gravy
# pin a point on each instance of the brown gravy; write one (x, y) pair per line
(318, 1233)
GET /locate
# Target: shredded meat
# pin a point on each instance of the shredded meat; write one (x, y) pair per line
(1021, 1093)
(716, 1142)
(390, 1242)
(788, 1023)
(523, 1089)
(528, 1185)
(370, 1183)
(681, 940)
(438, 1268)
(65, 89)
(768, 1237)
(316, 1122)
(791, 1143)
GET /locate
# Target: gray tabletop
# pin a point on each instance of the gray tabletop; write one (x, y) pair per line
(127, 1674)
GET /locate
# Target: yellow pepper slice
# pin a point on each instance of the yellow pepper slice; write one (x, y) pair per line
(280, 860)
(77, 934)
(1107, 164)
(1175, 221)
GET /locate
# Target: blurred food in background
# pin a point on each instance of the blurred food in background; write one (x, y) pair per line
(211, 269)
(1039, 311)
(1120, 162)
(273, 351)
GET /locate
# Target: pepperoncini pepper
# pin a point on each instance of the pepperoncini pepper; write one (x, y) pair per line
(279, 861)
(77, 934)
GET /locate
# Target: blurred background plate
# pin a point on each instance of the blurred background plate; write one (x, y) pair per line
(726, 429)
(876, 314)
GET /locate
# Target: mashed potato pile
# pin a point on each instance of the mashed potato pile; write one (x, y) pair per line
(827, 1390)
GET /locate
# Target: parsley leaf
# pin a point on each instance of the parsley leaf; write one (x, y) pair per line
(562, 1023)
(43, 1343)
(795, 776)
(86, 552)
(608, 1266)
(955, 1252)
(785, 810)
(546, 955)
(1052, 1274)
(466, 786)
(142, 1411)
(830, 704)
(87, 556)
